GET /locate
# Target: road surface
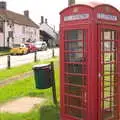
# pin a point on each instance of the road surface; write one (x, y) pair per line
(23, 59)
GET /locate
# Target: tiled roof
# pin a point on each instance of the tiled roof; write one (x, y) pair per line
(18, 18)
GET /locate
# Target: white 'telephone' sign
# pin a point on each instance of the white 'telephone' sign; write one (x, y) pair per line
(76, 17)
(107, 17)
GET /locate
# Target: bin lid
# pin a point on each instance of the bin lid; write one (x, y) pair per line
(41, 66)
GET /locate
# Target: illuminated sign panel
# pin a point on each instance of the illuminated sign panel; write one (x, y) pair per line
(76, 17)
(107, 17)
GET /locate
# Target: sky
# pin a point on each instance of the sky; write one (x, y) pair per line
(48, 8)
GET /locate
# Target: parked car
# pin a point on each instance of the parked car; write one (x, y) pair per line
(41, 45)
(31, 47)
(19, 49)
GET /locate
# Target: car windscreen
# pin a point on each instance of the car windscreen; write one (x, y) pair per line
(16, 45)
(38, 43)
(27, 45)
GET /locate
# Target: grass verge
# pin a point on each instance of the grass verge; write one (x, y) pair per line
(6, 73)
(26, 87)
(4, 52)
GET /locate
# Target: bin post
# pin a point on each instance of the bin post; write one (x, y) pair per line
(8, 62)
(53, 84)
(53, 52)
(35, 56)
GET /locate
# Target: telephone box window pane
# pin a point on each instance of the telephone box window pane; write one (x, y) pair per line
(74, 35)
(74, 57)
(74, 46)
(109, 46)
(77, 91)
(107, 35)
(75, 68)
(76, 80)
(113, 35)
(75, 112)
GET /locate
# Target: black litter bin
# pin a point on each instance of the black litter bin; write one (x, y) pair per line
(43, 76)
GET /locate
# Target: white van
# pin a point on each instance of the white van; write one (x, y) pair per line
(41, 45)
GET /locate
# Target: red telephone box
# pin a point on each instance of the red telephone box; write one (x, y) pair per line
(90, 62)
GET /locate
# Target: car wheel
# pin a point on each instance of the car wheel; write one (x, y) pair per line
(45, 48)
(25, 52)
(14, 53)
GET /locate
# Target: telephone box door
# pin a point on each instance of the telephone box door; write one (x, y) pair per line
(74, 73)
(109, 70)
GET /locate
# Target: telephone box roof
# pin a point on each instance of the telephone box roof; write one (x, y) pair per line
(92, 4)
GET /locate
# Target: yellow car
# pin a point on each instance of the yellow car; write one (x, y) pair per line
(19, 49)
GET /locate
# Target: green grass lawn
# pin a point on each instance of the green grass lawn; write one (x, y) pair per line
(6, 73)
(4, 52)
(26, 87)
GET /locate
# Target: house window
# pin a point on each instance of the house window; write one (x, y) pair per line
(1, 26)
(23, 29)
(23, 40)
(35, 31)
(10, 33)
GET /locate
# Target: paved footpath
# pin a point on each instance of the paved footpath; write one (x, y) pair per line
(21, 105)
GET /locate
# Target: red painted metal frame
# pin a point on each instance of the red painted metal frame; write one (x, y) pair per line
(94, 72)
(101, 80)
(63, 75)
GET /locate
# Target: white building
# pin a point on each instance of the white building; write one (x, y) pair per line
(16, 28)
(48, 34)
